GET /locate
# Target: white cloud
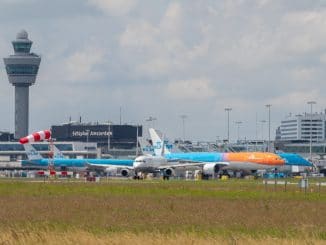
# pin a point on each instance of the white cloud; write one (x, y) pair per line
(322, 58)
(154, 67)
(152, 51)
(303, 74)
(16, 1)
(297, 99)
(263, 3)
(114, 7)
(249, 51)
(172, 19)
(139, 35)
(303, 31)
(172, 57)
(83, 65)
(193, 89)
(200, 50)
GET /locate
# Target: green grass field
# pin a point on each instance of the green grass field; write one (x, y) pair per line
(118, 211)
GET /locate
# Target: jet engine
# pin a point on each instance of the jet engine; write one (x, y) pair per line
(125, 172)
(168, 172)
(211, 168)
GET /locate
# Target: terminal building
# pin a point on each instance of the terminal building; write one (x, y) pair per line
(11, 151)
(109, 136)
(112, 140)
(302, 127)
(296, 131)
(6, 136)
(80, 140)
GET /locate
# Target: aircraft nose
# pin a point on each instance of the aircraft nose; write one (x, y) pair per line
(136, 164)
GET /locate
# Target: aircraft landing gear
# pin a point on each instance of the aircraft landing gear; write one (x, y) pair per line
(254, 173)
(138, 176)
(166, 177)
(226, 173)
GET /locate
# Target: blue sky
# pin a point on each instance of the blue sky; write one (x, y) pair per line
(166, 58)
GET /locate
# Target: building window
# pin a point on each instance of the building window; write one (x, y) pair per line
(22, 47)
(11, 147)
(22, 69)
(64, 147)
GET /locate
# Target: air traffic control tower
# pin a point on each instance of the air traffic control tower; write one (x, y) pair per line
(22, 68)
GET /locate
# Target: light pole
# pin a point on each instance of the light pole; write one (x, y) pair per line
(217, 139)
(87, 142)
(183, 117)
(256, 132)
(137, 139)
(310, 147)
(269, 126)
(109, 136)
(228, 112)
(120, 114)
(151, 119)
(262, 130)
(238, 123)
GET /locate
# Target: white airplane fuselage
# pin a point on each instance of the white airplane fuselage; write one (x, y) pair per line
(150, 164)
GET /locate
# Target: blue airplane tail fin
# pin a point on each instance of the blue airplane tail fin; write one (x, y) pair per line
(57, 153)
(158, 144)
(31, 153)
(146, 148)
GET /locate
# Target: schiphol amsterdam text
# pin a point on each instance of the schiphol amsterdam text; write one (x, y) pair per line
(90, 133)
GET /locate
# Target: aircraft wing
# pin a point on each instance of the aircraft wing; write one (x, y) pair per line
(96, 166)
(185, 164)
